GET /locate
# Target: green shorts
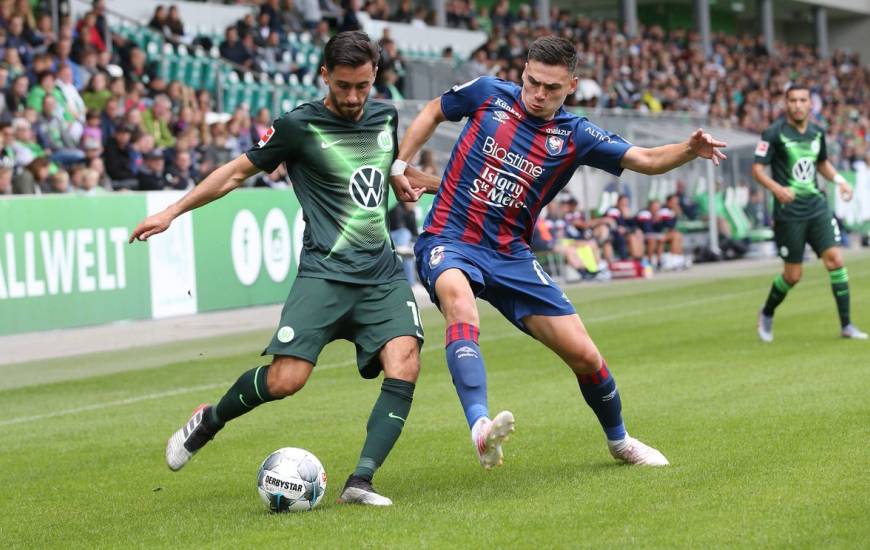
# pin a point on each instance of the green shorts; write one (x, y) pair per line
(319, 311)
(821, 233)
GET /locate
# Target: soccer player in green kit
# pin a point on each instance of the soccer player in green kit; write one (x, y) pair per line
(350, 284)
(795, 149)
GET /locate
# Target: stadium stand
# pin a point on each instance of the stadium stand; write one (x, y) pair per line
(190, 92)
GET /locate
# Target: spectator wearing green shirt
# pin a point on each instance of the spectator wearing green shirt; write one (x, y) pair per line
(45, 87)
(155, 121)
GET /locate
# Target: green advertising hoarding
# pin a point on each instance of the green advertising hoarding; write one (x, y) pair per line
(65, 262)
(247, 248)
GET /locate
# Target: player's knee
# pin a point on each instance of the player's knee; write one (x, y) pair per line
(833, 261)
(459, 309)
(792, 278)
(585, 360)
(285, 380)
(403, 364)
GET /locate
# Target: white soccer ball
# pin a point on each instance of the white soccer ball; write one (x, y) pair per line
(291, 480)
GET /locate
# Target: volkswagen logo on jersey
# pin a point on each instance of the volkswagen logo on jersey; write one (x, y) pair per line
(554, 144)
(367, 187)
(804, 170)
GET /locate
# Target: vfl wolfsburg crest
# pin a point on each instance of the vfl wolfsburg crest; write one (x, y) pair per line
(804, 170)
(385, 141)
(367, 187)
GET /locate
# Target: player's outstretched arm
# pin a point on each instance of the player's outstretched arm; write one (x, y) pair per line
(830, 173)
(214, 186)
(658, 160)
(783, 194)
(421, 181)
(418, 133)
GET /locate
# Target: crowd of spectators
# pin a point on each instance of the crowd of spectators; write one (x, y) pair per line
(594, 247)
(83, 113)
(90, 102)
(742, 85)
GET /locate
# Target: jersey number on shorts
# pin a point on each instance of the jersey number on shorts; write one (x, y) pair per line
(415, 315)
(837, 236)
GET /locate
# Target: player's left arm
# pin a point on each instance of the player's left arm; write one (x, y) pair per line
(830, 173)
(421, 180)
(658, 160)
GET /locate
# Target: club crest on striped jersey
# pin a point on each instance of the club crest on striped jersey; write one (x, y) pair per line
(264, 139)
(436, 256)
(555, 144)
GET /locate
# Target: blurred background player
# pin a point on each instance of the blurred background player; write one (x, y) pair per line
(517, 151)
(350, 283)
(795, 149)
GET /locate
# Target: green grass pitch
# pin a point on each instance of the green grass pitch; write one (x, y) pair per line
(769, 444)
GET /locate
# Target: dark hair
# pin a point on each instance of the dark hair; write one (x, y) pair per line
(351, 48)
(554, 50)
(796, 87)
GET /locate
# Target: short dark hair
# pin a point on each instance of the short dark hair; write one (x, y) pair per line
(351, 48)
(796, 88)
(554, 50)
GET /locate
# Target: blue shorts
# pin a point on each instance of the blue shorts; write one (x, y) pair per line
(516, 285)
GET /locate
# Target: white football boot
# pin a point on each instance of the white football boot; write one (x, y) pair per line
(188, 439)
(488, 436)
(852, 332)
(360, 491)
(765, 327)
(632, 451)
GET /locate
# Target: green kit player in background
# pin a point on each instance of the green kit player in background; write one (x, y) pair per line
(795, 150)
(350, 284)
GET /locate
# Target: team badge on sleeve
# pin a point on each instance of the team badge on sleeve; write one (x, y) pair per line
(264, 139)
(554, 144)
(761, 148)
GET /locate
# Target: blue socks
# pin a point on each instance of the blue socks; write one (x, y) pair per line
(599, 391)
(466, 367)
(469, 377)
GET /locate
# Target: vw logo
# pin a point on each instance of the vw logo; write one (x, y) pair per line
(367, 187)
(804, 169)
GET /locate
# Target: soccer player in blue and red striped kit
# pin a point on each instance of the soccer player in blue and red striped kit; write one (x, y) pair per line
(518, 149)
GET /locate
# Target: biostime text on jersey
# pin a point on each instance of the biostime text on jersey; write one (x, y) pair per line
(501, 188)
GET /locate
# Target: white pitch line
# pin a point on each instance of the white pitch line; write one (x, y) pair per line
(328, 366)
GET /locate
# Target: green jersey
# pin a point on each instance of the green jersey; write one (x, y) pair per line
(339, 170)
(793, 157)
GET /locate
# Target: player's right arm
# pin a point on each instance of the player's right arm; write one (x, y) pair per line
(455, 104)
(763, 155)
(220, 182)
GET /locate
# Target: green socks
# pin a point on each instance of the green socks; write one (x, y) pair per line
(777, 294)
(248, 392)
(385, 425)
(840, 287)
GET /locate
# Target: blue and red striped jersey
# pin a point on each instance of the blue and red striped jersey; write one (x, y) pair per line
(507, 164)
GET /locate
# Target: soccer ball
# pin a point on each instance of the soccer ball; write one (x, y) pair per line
(291, 480)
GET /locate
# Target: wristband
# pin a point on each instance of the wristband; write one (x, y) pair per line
(398, 167)
(840, 180)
